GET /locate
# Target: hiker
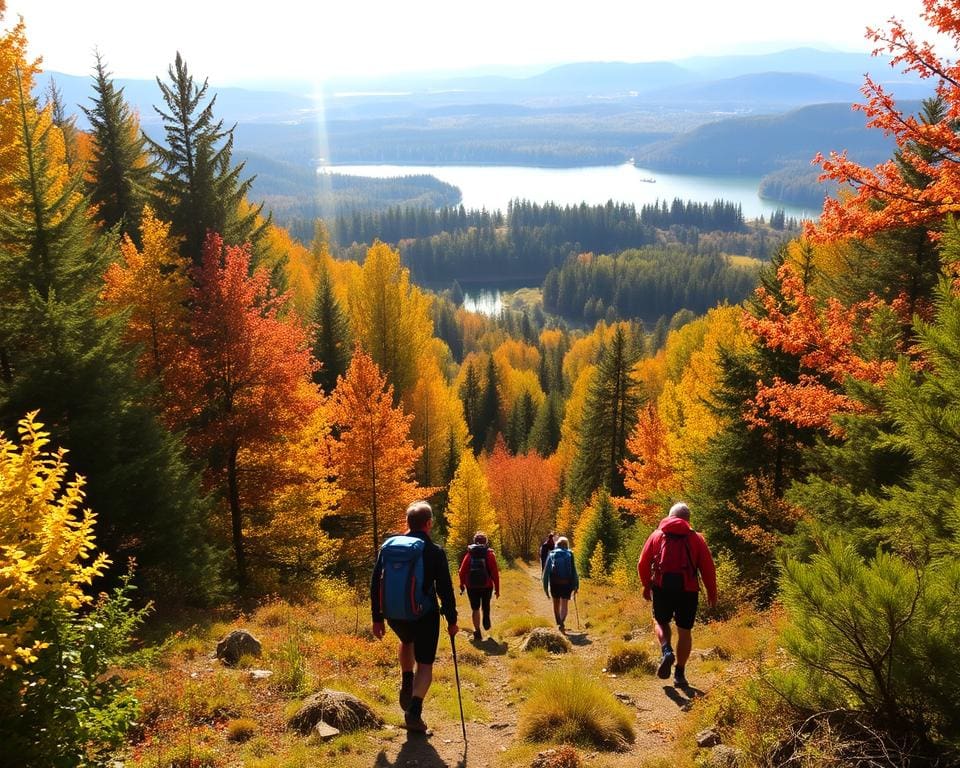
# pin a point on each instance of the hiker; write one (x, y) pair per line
(410, 574)
(673, 558)
(560, 579)
(545, 547)
(480, 576)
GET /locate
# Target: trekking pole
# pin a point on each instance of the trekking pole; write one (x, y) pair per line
(456, 673)
(577, 609)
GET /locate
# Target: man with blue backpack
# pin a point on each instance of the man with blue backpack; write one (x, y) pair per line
(410, 574)
(560, 579)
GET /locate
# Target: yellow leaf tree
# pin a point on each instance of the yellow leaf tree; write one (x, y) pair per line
(152, 286)
(390, 318)
(469, 508)
(46, 540)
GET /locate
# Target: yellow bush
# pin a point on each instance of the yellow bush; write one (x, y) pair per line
(44, 540)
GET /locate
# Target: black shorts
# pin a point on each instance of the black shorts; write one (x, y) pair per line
(480, 597)
(423, 633)
(561, 591)
(672, 601)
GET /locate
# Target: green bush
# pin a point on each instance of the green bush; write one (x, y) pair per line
(67, 708)
(879, 636)
(567, 705)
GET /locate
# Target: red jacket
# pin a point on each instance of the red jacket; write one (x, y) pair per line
(699, 554)
(493, 573)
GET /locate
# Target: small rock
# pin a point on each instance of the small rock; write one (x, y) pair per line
(723, 756)
(708, 738)
(715, 653)
(325, 732)
(235, 644)
(448, 741)
(626, 698)
(260, 674)
(499, 726)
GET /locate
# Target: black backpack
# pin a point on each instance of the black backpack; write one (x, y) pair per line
(478, 575)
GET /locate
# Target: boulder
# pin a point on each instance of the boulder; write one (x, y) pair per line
(337, 709)
(238, 643)
(708, 738)
(549, 639)
(723, 756)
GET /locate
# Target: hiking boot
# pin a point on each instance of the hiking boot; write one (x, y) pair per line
(680, 681)
(415, 723)
(406, 696)
(663, 670)
(477, 637)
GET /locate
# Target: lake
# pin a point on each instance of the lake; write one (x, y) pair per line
(492, 187)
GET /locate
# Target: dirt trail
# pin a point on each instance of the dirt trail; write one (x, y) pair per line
(658, 707)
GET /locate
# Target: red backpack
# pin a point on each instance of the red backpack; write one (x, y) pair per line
(674, 556)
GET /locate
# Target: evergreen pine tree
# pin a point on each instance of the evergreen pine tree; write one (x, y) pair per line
(471, 395)
(545, 434)
(121, 173)
(63, 357)
(199, 190)
(599, 525)
(489, 419)
(331, 345)
(609, 415)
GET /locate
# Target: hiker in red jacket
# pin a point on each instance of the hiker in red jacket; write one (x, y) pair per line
(673, 558)
(480, 576)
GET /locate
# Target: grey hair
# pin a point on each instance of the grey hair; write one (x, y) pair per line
(681, 510)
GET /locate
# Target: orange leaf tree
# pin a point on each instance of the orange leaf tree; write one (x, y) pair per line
(884, 196)
(524, 492)
(375, 457)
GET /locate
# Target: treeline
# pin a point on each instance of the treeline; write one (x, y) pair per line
(647, 283)
(718, 215)
(459, 244)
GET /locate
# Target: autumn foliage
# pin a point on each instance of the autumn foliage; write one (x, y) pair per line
(46, 540)
(882, 197)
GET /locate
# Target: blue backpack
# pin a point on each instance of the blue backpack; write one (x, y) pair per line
(561, 568)
(402, 595)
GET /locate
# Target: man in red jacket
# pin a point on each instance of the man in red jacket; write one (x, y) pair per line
(673, 558)
(480, 576)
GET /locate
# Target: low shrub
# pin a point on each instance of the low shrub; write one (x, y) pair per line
(627, 657)
(241, 730)
(568, 705)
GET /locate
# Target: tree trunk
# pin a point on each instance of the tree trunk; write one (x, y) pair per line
(233, 494)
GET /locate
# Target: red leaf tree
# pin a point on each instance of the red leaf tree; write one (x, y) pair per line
(245, 376)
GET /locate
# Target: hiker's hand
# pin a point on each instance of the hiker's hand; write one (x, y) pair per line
(646, 594)
(453, 629)
(379, 630)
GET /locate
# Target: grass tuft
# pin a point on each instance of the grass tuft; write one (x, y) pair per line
(628, 657)
(523, 624)
(568, 705)
(241, 730)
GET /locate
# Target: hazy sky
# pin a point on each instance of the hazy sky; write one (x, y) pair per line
(323, 39)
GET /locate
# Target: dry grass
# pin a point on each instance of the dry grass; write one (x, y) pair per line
(630, 657)
(568, 705)
(241, 730)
